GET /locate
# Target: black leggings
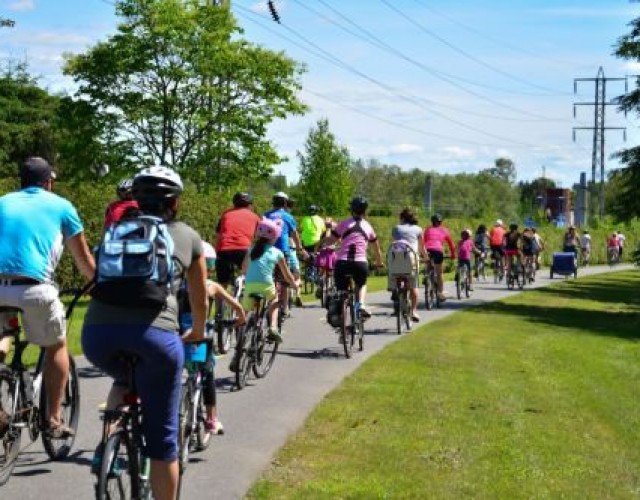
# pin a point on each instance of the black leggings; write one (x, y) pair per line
(358, 270)
(209, 388)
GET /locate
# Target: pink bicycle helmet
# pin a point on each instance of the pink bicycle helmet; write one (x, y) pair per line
(269, 229)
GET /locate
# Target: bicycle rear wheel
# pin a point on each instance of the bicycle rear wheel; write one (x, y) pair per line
(203, 438)
(459, 284)
(57, 449)
(119, 470)
(10, 436)
(405, 310)
(266, 351)
(428, 293)
(185, 429)
(467, 285)
(348, 327)
(225, 329)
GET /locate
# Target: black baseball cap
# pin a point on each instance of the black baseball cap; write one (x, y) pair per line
(36, 170)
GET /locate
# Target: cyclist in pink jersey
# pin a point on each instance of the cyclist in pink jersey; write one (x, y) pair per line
(356, 235)
(467, 248)
(434, 238)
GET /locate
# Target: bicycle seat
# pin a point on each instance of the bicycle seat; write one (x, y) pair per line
(9, 309)
(257, 296)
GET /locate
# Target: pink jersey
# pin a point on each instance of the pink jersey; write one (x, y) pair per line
(354, 241)
(435, 237)
(465, 249)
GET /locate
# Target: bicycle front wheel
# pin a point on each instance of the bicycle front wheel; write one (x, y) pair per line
(266, 351)
(119, 470)
(10, 435)
(243, 365)
(57, 449)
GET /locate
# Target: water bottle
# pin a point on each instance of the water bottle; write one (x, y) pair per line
(144, 469)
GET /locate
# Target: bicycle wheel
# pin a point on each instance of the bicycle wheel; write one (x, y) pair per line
(119, 470)
(398, 310)
(427, 293)
(243, 366)
(185, 425)
(57, 449)
(225, 329)
(496, 271)
(405, 310)
(347, 330)
(467, 285)
(203, 438)
(459, 285)
(10, 435)
(266, 351)
(519, 277)
(359, 331)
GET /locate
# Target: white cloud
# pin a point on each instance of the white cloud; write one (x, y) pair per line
(405, 149)
(21, 5)
(458, 153)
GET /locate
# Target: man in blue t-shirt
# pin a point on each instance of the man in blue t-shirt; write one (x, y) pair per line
(289, 231)
(35, 225)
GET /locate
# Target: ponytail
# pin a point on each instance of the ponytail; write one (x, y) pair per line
(259, 248)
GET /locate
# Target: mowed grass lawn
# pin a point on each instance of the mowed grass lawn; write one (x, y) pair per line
(536, 396)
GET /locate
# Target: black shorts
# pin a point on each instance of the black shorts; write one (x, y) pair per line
(358, 270)
(497, 249)
(228, 264)
(436, 257)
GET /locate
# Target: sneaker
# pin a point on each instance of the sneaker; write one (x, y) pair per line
(59, 431)
(415, 318)
(214, 427)
(365, 314)
(274, 335)
(233, 366)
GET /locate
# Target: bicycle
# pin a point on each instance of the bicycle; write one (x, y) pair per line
(225, 319)
(192, 435)
(463, 282)
(613, 256)
(529, 269)
(480, 266)
(326, 286)
(430, 282)
(515, 276)
(254, 351)
(24, 402)
(310, 274)
(401, 305)
(123, 468)
(352, 323)
(498, 268)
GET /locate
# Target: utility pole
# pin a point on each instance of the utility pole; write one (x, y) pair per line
(597, 157)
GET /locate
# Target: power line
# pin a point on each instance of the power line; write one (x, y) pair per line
(464, 53)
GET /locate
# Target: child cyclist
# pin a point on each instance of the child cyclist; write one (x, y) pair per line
(512, 246)
(259, 265)
(465, 249)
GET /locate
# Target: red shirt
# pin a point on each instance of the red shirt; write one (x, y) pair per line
(116, 210)
(236, 229)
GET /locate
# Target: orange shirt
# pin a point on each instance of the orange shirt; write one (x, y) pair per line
(496, 235)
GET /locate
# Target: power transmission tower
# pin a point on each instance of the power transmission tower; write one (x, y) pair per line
(600, 103)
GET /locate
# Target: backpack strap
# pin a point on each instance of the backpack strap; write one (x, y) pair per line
(356, 228)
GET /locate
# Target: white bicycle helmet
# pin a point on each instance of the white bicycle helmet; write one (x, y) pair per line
(156, 182)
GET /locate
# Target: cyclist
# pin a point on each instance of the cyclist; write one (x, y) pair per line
(529, 245)
(496, 241)
(355, 235)
(465, 249)
(512, 246)
(613, 248)
(410, 232)
(312, 228)
(538, 248)
(259, 266)
(152, 333)
(289, 229)
(621, 241)
(326, 259)
(34, 224)
(571, 241)
(434, 238)
(585, 246)
(481, 242)
(294, 262)
(125, 201)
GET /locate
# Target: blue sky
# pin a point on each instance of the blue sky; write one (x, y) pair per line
(432, 84)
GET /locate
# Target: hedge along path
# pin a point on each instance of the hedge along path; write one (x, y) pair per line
(534, 396)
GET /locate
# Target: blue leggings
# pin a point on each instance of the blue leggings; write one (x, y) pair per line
(158, 376)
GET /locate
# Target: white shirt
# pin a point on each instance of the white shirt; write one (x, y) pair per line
(621, 239)
(585, 241)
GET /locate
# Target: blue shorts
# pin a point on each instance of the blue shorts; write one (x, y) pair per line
(158, 375)
(293, 262)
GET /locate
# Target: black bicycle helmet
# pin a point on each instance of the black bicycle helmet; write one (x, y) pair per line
(436, 219)
(359, 205)
(513, 227)
(313, 209)
(241, 200)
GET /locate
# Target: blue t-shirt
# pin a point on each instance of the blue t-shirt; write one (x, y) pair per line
(261, 270)
(288, 227)
(33, 226)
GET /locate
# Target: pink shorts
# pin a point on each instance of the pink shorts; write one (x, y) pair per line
(326, 259)
(510, 253)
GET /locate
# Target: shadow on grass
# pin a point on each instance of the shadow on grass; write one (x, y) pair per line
(611, 322)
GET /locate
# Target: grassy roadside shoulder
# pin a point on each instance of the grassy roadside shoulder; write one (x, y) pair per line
(535, 396)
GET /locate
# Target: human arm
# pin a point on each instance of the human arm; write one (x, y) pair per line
(452, 249)
(245, 263)
(286, 272)
(377, 253)
(423, 253)
(215, 290)
(82, 256)
(198, 300)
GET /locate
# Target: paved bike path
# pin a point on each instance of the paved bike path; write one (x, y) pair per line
(258, 420)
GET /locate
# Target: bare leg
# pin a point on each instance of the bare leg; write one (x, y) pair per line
(362, 294)
(164, 479)
(273, 312)
(56, 374)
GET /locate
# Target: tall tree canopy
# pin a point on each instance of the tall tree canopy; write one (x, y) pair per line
(627, 179)
(325, 168)
(177, 85)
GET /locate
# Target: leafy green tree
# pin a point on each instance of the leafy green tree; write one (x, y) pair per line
(177, 85)
(325, 168)
(504, 170)
(627, 179)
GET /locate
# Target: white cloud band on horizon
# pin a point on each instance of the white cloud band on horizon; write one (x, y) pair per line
(21, 5)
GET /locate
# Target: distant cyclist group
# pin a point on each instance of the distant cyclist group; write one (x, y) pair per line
(152, 295)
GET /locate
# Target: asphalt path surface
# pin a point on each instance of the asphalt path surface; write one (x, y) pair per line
(258, 419)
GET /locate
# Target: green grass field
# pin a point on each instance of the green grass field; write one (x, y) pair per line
(536, 396)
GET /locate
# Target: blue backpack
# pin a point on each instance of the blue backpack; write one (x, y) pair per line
(135, 263)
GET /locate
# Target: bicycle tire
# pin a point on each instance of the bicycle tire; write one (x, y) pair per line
(203, 438)
(520, 281)
(467, 285)
(347, 332)
(226, 329)
(185, 429)
(428, 293)
(459, 285)
(242, 352)
(57, 449)
(10, 437)
(406, 311)
(397, 305)
(266, 351)
(359, 332)
(119, 471)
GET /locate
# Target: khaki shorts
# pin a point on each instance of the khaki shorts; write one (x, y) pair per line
(43, 315)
